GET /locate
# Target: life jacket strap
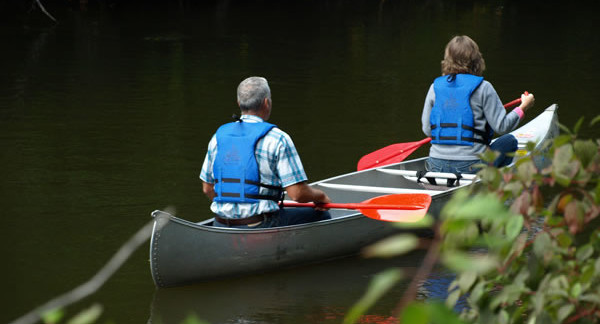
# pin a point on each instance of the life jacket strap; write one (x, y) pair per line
(485, 140)
(274, 197)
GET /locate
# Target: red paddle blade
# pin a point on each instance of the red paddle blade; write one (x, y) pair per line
(390, 154)
(398, 215)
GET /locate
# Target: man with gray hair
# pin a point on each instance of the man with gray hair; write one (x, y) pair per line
(250, 162)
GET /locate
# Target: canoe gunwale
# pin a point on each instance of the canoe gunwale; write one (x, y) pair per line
(203, 225)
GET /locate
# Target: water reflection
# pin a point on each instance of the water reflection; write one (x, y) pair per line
(320, 293)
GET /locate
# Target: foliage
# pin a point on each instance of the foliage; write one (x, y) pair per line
(92, 314)
(86, 316)
(380, 285)
(524, 243)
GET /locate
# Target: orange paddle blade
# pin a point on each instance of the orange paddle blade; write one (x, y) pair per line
(421, 201)
(390, 208)
(390, 154)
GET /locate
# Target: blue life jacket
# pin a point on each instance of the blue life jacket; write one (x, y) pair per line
(235, 169)
(451, 117)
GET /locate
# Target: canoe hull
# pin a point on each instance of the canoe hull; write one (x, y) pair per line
(183, 252)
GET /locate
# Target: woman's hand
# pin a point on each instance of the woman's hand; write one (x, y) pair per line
(527, 101)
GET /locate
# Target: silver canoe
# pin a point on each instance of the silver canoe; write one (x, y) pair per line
(183, 252)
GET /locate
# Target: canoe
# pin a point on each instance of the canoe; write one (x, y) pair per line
(184, 252)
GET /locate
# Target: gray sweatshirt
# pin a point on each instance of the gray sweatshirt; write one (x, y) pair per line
(487, 108)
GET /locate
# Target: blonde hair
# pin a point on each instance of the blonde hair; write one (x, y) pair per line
(462, 55)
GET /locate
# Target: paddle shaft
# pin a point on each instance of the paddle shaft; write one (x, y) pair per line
(353, 206)
(513, 103)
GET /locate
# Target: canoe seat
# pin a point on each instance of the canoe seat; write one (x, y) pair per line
(433, 180)
(429, 186)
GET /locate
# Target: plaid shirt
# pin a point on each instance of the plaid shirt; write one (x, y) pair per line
(278, 163)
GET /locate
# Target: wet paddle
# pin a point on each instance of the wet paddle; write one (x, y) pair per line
(389, 208)
(398, 152)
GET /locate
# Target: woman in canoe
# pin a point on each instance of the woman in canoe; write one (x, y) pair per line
(462, 112)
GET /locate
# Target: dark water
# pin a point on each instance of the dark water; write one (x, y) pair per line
(106, 117)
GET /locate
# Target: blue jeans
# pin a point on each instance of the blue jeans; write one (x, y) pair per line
(287, 216)
(503, 144)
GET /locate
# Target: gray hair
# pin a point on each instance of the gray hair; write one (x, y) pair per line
(252, 92)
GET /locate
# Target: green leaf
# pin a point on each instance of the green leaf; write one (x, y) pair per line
(526, 171)
(578, 125)
(477, 292)
(53, 316)
(514, 226)
(587, 274)
(193, 319)
(542, 246)
(585, 151)
(478, 207)
(440, 314)
(538, 303)
(425, 222)
(86, 316)
(503, 317)
(590, 298)
(392, 246)
(513, 187)
(564, 240)
(466, 280)
(584, 252)
(565, 129)
(415, 313)
(490, 176)
(561, 140)
(489, 156)
(509, 294)
(564, 170)
(460, 262)
(453, 298)
(564, 312)
(595, 120)
(576, 290)
(380, 284)
(597, 193)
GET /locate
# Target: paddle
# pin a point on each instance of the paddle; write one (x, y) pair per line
(389, 208)
(398, 152)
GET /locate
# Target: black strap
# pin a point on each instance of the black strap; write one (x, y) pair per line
(485, 140)
(421, 174)
(453, 138)
(233, 180)
(451, 182)
(275, 197)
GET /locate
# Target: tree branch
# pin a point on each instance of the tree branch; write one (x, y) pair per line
(39, 3)
(92, 285)
(425, 269)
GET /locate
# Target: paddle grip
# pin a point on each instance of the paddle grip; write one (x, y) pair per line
(515, 102)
